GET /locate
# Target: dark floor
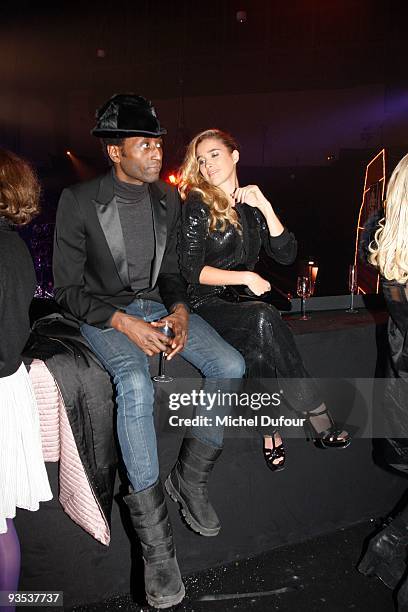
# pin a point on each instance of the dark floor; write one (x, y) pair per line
(315, 576)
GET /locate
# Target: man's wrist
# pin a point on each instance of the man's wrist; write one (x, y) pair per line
(118, 320)
(180, 308)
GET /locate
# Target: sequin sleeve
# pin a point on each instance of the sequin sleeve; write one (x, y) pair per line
(194, 232)
(282, 248)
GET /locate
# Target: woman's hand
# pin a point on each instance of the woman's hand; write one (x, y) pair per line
(257, 284)
(251, 195)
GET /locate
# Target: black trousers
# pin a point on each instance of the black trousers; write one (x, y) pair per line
(258, 332)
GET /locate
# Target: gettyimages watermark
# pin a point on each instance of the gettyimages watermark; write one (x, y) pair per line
(218, 398)
(364, 407)
(218, 401)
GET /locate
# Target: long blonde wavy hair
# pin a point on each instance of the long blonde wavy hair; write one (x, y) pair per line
(389, 249)
(191, 179)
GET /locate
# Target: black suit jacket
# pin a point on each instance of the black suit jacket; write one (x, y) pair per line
(91, 277)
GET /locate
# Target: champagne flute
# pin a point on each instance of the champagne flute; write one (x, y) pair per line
(303, 291)
(162, 376)
(352, 283)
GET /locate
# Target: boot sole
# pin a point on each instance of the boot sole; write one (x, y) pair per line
(191, 522)
(378, 567)
(166, 602)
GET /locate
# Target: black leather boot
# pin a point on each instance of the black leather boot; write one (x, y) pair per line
(387, 553)
(148, 513)
(402, 597)
(187, 485)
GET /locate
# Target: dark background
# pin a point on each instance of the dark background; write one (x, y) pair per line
(312, 90)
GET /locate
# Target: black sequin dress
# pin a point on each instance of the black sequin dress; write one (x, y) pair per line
(254, 327)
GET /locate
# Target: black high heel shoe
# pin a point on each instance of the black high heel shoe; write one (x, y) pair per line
(328, 438)
(275, 453)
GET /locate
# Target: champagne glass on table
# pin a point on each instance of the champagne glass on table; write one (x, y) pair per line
(352, 287)
(162, 376)
(303, 291)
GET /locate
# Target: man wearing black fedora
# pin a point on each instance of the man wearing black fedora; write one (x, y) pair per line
(116, 272)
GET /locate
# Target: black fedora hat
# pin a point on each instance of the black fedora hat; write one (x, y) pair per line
(126, 115)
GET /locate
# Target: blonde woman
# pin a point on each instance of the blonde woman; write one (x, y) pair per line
(389, 250)
(387, 550)
(224, 227)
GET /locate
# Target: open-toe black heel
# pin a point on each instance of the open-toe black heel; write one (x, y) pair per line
(331, 437)
(276, 453)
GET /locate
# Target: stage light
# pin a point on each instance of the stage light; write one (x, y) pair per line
(241, 16)
(68, 153)
(172, 179)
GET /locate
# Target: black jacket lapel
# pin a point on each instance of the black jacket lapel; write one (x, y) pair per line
(108, 215)
(159, 207)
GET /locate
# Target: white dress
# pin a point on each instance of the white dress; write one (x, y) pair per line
(23, 477)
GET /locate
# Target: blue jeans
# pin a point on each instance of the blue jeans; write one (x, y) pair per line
(129, 368)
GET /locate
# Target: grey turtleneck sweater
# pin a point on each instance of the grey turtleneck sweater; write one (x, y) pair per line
(136, 218)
